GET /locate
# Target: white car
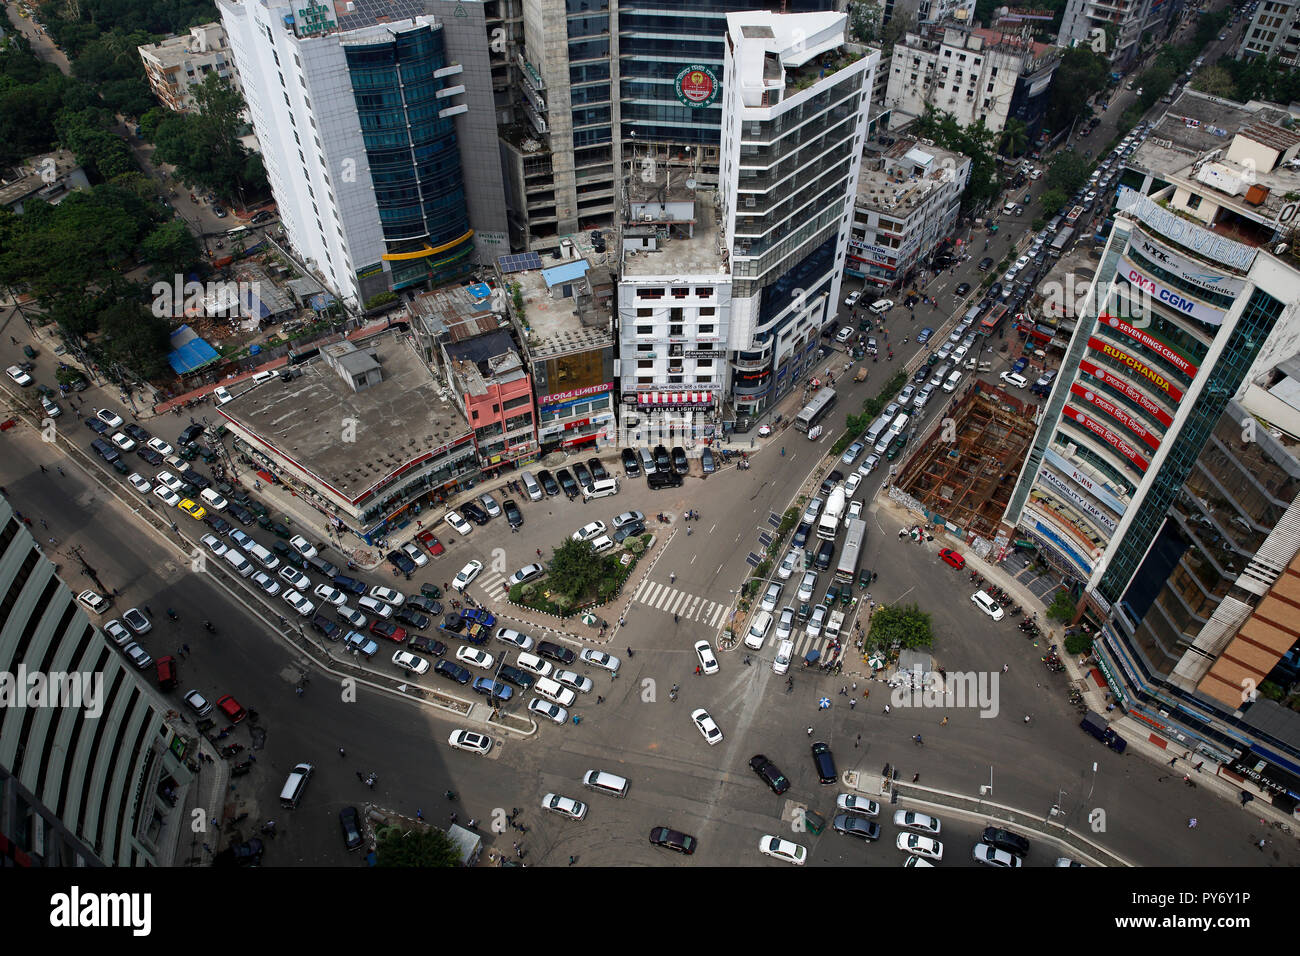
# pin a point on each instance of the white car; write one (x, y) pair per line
(868, 465)
(921, 822)
(772, 596)
(109, 418)
(508, 635)
(807, 586)
(579, 683)
(122, 441)
(298, 603)
(706, 725)
(959, 352)
(919, 845)
(627, 518)
(387, 595)
(221, 395)
(812, 510)
(852, 298)
(118, 632)
(599, 659)
(786, 623)
(267, 583)
(1014, 379)
(546, 709)
(215, 544)
(167, 495)
(1022, 262)
(814, 626)
(564, 806)
(525, 574)
(465, 575)
(303, 546)
(589, 531)
(168, 480)
(470, 740)
(708, 662)
(331, 595)
(852, 803)
(140, 483)
(474, 657)
(295, 578)
(883, 306)
(459, 524)
(790, 563)
(410, 663)
(415, 553)
(782, 849)
(18, 375)
(855, 510)
(161, 447)
(93, 602)
(198, 703)
(994, 857)
(851, 484)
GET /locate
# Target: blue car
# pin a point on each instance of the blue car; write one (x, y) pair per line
(852, 452)
(488, 687)
(924, 335)
(1019, 365)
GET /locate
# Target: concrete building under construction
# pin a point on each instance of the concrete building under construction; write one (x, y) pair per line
(963, 469)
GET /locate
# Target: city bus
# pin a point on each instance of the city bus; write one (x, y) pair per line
(993, 319)
(815, 410)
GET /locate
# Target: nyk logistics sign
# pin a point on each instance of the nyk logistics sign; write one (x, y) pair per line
(1138, 366)
(1109, 437)
(697, 86)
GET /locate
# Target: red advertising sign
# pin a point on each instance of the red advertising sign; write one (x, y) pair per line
(1117, 413)
(1151, 342)
(1127, 389)
(1138, 366)
(1109, 437)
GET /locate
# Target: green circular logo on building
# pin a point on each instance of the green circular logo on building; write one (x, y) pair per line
(697, 86)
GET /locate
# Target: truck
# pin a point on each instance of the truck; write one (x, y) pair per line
(834, 624)
(829, 523)
(1073, 215)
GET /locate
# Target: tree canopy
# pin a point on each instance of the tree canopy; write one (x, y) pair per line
(904, 625)
(975, 141)
(1067, 172)
(204, 144)
(428, 848)
(1080, 74)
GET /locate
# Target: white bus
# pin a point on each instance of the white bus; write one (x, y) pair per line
(815, 410)
(855, 538)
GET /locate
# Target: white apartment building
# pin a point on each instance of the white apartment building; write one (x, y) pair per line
(1083, 23)
(909, 197)
(795, 109)
(1273, 31)
(178, 63)
(674, 310)
(972, 74)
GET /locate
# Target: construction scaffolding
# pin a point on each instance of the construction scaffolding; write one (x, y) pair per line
(965, 468)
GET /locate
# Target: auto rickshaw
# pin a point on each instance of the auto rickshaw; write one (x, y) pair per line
(808, 560)
(804, 611)
(846, 595)
(864, 577)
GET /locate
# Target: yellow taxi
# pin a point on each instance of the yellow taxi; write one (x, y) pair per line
(192, 509)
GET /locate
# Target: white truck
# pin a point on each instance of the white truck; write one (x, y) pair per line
(829, 523)
(834, 625)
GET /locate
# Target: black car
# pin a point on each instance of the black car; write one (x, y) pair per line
(474, 513)
(426, 604)
(707, 465)
(995, 289)
(289, 556)
(138, 433)
(852, 825)
(567, 484)
(631, 464)
(427, 645)
(190, 433)
(673, 840)
(96, 426)
(216, 523)
(555, 652)
(830, 481)
(248, 853)
(1001, 839)
(324, 626)
(149, 456)
(513, 514)
(597, 469)
(824, 761)
(825, 552)
(400, 561)
(986, 264)
(801, 534)
(190, 476)
(547, 481)
(680, 463)
(629, 531)
(348, 585)
(322, 567)
(521, 679)
(277, 529)
(350, 823)
(239, 513)
(451, 671)
(411, 617)
(664, 479)
(770, 773)
(662, 462)
(921, 375)
(962, 289)
(581, 472)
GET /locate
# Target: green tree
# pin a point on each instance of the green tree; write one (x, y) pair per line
(1216, 81)
(1062, 607)
(134, 337)
(1052, 200)
(865, 21)
(893, 31)
(1067, 172)
(170, 249)
(574, 569)
(425, 848)
(1080, 74)
(906, 626)
(204, 145)
(1014, 138)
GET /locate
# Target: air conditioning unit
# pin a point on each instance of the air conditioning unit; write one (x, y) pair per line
(750, 202)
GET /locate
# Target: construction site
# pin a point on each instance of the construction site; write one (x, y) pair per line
(964, 468)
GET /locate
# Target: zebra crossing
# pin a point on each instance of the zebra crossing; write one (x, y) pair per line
(494, 583)
(671, 600)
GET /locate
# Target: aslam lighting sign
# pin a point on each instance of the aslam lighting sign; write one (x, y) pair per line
(1114, 411)
(1102, 431)
(1186, 269)
(697, 86)
(1126, 388)
(1139, 367)
(1195, 308)
(1235, 255)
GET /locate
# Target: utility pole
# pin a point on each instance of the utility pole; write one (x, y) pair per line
(87, 570)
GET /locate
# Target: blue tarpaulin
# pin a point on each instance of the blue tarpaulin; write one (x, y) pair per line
(320, 302)
(189, 351)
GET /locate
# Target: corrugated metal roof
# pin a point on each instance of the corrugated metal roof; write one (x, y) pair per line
(564, 273)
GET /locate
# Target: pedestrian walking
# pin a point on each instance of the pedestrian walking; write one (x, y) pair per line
(1199, 766)
(886, 710)
(419, 814)
(343, 753)
(855, 687)
(1191, 823)
(572, 860)
(42, 469)
(1173, 761)
(600, 699)
(843, 692)
(916, 776)
(43, 522)
(1260, 844)
(944, 722)
(809, 731)
(1005, 668)
(539, 552)
(853, 703)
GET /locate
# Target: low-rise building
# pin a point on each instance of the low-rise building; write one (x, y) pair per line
(177, 64)
(909, 197)
(48, 177)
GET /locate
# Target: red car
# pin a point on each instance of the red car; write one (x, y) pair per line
(431, 542)
(230, 707)
(953, 558)
(390, 631)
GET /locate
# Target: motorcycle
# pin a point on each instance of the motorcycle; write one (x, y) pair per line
(231, 750)
(241, 768)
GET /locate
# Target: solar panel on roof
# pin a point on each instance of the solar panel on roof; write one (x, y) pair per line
(520, 262)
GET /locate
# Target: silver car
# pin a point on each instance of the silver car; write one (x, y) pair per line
(490, 505)
(786, 624)
(806, 587)
(772, 596)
